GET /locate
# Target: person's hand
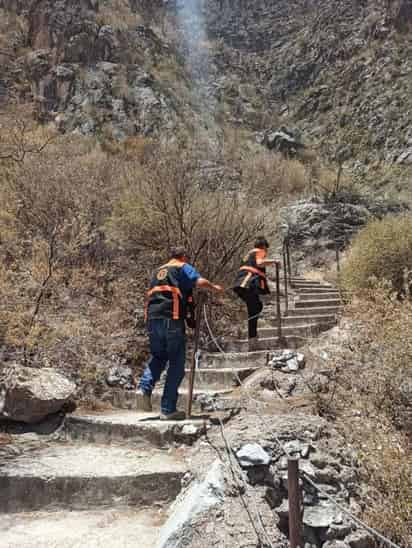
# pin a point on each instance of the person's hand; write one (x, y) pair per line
(218, 288)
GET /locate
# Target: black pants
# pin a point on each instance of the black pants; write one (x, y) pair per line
(254, 308)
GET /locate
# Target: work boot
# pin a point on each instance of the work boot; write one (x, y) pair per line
(253, 344)
(144, 401)
(175, 416)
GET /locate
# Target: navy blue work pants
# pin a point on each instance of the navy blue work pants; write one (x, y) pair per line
(167, 346)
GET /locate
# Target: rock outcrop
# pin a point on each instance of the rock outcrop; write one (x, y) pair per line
(338, 71)
(317, 227)
(29, 395)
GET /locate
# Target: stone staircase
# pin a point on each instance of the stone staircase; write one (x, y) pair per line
(109, 478)
(314, 308)
(103, 480)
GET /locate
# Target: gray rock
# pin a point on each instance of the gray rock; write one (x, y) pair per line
(274, 496)
(293, 446)
(121, 377)
(30, 395)
(306, 467)
(319, 516)
(283, 463)
(292, 366)
(335, 544)
(198, 499)
(405, 157)
(338, 531)
(190, 430)
(360, 539)
(305, 451)
(285, 140)
(253, 454)
(317, 226)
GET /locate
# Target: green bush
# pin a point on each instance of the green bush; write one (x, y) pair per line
(382, 251)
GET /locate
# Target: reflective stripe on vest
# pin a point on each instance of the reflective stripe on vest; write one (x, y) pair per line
(176, 295)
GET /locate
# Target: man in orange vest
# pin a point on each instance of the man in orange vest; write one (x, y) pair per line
(169, 305)
(251, 282)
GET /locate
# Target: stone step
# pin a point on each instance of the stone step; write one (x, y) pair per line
(131, 427)
(317, 303)
(219, 377)
(302, 330)
(319, 319)
(117, 528)
(86, 477)
(319, 296)
(126, 399)
(304, 281)
(242, 347)
(317, 290)
(230, 360)
(325, 310)
(266, 343)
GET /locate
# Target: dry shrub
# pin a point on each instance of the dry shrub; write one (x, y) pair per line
(163, 203)
(268, 176)
(371, 400)
(381, 251)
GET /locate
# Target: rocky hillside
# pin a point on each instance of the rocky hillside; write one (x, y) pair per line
(339, 72)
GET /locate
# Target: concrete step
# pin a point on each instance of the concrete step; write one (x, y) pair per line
(325, 310)
(265, 343)
(131, 427)
(127, 399)
(317, 290)
(242, 347)
(294, 320)
(317, 303)
(219, 377)
(230, 360)
(117, 528)
(303, 282)
(302, 330)
(86, 477)
(319, 296)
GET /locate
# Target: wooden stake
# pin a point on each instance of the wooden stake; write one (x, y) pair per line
(285, 276)
(295, 516)
(278, 310)
(195, 350)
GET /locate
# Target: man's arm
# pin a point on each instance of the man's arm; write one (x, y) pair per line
(267, 262)
(202, 283)
(261, 259)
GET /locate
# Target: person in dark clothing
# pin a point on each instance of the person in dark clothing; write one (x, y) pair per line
(251, 282)
(169, 306)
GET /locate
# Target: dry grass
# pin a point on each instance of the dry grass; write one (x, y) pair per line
(369, 399)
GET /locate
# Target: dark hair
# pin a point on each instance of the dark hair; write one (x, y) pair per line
(177, 252)
(261, 242)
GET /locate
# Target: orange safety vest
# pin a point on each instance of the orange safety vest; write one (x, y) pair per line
(164, 298)
(251, 275)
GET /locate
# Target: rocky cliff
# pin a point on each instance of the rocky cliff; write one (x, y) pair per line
(340, 71)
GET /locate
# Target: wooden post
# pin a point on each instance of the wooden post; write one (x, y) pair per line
(337, 257)
(285, 276)
(195, 350)
(295, 516)
(288, 259)
(278, 310)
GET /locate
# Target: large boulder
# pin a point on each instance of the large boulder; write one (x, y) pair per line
(317, 226)
(29, 395)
